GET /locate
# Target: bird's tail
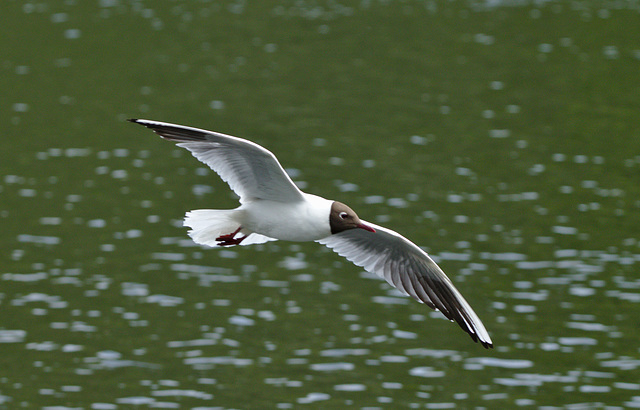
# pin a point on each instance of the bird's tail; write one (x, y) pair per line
(207, 225)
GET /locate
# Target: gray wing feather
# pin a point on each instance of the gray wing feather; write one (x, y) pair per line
(408, 268)
(251, 171)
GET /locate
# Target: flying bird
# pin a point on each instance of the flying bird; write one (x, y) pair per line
(273, 208)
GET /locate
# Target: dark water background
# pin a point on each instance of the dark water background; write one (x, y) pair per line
(503, 136)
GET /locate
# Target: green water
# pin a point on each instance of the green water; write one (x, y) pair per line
(503, 137)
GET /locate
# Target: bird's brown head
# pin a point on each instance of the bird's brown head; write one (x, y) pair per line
(343, 218)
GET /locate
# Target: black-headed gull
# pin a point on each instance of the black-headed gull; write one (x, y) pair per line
(272, 207)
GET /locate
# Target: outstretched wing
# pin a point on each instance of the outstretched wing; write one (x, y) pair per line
(410, 269)
(251, 171)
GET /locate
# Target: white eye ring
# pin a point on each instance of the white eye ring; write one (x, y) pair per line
(343, 215)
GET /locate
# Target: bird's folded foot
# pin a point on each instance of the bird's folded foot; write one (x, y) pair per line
(229, 239)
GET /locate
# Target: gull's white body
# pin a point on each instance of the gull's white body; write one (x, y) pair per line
(263, 220)
(309, 217)
(273, 208)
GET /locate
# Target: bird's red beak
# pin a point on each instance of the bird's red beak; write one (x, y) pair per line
(366, 228)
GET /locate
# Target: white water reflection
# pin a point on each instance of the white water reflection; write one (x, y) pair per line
(428, 372)
(12, 336)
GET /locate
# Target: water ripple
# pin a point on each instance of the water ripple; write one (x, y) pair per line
(477, 363)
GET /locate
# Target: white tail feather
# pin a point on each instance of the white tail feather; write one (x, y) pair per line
(209, 224)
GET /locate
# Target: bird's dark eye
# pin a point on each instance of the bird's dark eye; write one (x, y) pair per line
(343, 215)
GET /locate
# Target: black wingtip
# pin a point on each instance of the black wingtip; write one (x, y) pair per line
(475, 338)
(486, 345)
(174, 132)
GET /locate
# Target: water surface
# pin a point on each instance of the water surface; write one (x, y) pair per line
(501, 136)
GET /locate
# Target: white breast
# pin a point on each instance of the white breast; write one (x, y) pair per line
(306, 220)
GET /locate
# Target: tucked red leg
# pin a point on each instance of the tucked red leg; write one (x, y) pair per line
(228, 240)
